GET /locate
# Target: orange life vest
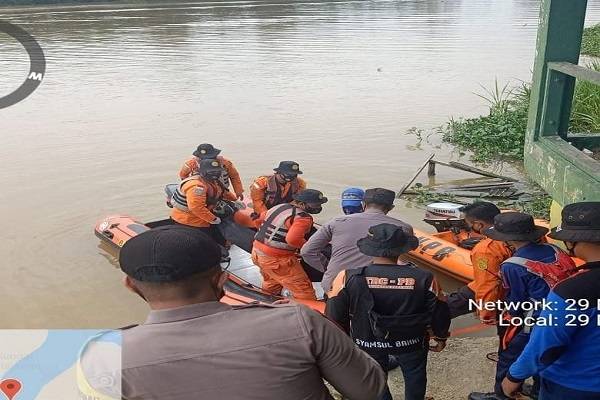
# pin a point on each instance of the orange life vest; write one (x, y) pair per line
(273, 193)
(179, 199)
(273, 230)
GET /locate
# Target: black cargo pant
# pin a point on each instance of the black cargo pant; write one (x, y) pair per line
(414, 370)
(507, 356)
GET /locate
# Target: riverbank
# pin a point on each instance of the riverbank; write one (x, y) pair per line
(460, 369)
(501, 133)
(590, 43)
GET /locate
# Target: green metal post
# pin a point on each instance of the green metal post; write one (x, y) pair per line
(561, 169)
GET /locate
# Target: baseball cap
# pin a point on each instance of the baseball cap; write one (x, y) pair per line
(168, 254)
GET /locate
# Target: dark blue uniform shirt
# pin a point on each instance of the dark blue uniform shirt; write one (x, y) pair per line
(523, 286)
(567, 352)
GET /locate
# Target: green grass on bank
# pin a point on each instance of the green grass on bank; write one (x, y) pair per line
(501, 133)
(590, 44)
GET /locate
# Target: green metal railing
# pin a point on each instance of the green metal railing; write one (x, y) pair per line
(553, 156)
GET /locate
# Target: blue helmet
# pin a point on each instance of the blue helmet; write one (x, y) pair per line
(352, 200)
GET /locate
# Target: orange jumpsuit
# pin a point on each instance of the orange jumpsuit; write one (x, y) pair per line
(200, 197)
(486, 257)
(190, 167)
(284, 192)
(282, 267)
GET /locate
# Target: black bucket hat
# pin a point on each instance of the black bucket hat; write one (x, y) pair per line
(288, 168)
(387, 240)
(515, 226)
(311, 196)
(206, 150)
(580, 223)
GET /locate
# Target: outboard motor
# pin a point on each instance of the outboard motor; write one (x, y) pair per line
(445, 217)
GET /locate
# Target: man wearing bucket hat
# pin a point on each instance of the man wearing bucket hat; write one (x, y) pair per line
(270, 190)
(566, 353)
(207, 151)
(196, 197)
(282, 232)
(527, 277)
(388, 308)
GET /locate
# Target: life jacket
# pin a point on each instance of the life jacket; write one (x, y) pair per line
(273, 194)
(403, 331)
(225, 175)
(179, 200)
(273, 231)
(553, 272)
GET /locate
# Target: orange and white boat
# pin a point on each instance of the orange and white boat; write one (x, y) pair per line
(449, 249)
(118, 229)
(441, 250)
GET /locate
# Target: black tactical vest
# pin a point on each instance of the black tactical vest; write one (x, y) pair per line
(397, 325)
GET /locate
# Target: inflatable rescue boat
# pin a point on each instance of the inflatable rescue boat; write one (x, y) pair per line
(118, 229)
(449, 249)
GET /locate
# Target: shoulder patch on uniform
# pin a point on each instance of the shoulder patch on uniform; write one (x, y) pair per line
(199, 190)
(482, 264)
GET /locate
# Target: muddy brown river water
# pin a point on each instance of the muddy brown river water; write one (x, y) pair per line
(130, 91)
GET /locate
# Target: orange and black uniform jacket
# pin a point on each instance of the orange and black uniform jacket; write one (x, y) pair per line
(201, 196)
(191, 166)
(411, 310)
(486, 258)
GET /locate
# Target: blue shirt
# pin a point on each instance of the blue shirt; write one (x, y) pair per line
(567, 351)
(523, 286)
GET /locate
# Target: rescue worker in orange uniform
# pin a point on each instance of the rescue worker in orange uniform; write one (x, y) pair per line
(486, 258)
(269, 191)
(197, 196)
(207, 151)
(282, 232)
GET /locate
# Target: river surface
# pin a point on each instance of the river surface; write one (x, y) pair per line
(130, 91)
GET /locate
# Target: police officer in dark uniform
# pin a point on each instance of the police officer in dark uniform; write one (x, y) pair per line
(391, 308)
